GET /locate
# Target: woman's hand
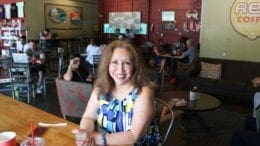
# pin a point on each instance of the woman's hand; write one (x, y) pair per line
(84, 138)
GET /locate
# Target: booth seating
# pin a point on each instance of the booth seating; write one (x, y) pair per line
(229, 80)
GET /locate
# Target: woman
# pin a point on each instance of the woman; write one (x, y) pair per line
(157, 59)
(122, 101)
(76, 70)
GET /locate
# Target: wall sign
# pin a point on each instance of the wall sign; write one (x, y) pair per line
(245, 18)
(62, 17)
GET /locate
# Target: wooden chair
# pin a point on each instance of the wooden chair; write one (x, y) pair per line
(73, 97)
(160, 104)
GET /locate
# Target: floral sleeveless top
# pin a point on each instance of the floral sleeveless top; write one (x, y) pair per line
(116, 116)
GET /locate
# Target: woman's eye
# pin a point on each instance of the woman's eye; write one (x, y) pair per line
(113, 62)
(128, 63)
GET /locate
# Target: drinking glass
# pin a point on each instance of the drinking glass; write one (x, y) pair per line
(38, 141)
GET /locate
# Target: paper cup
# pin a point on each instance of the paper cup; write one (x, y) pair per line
(7, 138)
(194, 95)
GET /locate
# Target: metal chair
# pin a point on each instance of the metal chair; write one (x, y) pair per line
(22, 83)
(96, 59)
(5, 80)
(159, 107)
(73, 97)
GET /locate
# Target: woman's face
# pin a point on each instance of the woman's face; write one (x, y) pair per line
(76, 63)
(121, 67)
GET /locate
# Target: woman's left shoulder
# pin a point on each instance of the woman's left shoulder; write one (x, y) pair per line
(146, 91)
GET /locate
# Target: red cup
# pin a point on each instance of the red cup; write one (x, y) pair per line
(7, 138)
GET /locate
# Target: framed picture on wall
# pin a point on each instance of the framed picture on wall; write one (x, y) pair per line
(130, 20)
(168, 15)
(62, 16)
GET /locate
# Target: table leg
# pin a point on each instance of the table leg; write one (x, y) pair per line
(187, 117)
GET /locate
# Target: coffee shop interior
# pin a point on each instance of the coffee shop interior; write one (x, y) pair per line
(203, 56)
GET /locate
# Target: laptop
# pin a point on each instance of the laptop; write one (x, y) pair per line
(20, 58)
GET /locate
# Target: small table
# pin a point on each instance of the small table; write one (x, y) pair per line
(204, 103)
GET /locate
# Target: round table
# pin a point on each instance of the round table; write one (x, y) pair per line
(204, 103)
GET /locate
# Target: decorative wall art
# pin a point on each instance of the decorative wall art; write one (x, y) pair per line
(168, 15)
(62, 17)
(168, 20)
(130, 20)
(109, 29)
(192, 22)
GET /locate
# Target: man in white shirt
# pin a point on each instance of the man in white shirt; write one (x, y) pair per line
(21, 45)
(92, 49)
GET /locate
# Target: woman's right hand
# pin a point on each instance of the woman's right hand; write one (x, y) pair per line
(84, 138)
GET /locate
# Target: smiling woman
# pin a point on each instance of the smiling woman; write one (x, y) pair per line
(122, 101)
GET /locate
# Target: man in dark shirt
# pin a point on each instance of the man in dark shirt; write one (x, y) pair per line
(76, 70)
(37, 57)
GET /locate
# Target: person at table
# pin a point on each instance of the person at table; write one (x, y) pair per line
(129, 34)
(44, 37)
(156, 58)
(122, 101)
(37, 57)
(249, 136)
(190, 53)
(20, 44)
(91, 50)
(76, 70)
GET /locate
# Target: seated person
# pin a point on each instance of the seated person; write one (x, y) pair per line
(36, 56)
(156, 59)
(129, 34)
(256, 83)
(190, 53)
(92, 49)
(121, 108)
(76, 70)
(248, 136)
(44, 36)
(20, 44)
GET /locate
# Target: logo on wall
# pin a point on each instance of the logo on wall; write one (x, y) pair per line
(245, 18)
(75, 17)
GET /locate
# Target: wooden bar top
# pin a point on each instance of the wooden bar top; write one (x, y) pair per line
(16, 116)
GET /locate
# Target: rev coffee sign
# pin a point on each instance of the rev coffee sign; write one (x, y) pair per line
(245, 17)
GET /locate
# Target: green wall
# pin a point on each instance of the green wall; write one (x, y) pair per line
(34, 13)
(218, 37)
